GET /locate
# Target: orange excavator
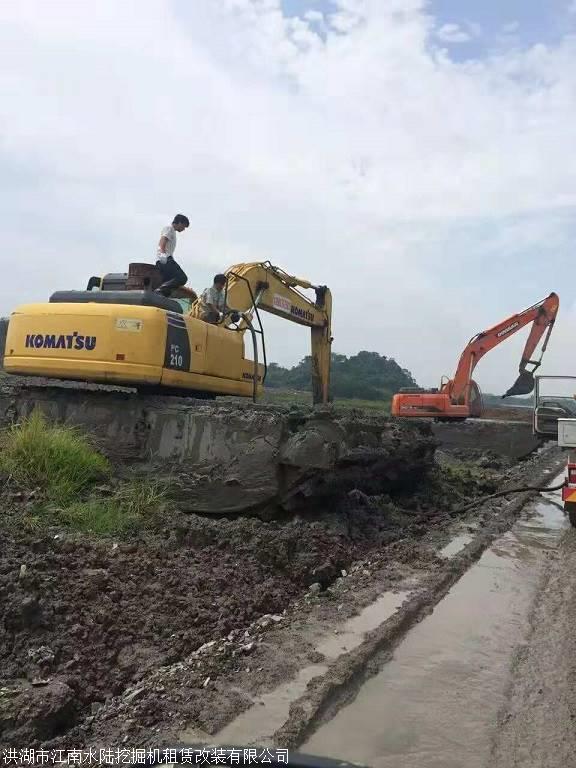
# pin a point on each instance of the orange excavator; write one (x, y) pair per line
(460, 398)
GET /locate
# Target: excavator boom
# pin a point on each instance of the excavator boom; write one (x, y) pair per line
(262, 286)
(459, 397)
(542, 316)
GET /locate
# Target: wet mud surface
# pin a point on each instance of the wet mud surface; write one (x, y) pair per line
(439, 699)
(537, 725)
(83, 618)
(103, 640)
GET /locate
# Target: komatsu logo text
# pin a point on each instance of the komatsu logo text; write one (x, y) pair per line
(285, 305)
(305, 314)
(60, 341)
(508, 328)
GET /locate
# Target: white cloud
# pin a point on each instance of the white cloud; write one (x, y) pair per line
(459, 33)
(421, 190)
(314, 17)
(453, 33)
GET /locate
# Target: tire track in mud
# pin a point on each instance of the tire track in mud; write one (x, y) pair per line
(89, 617)
(326, 694)
(198, 572)
(286, 648)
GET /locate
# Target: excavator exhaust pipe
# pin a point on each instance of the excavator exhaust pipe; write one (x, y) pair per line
(523, 385)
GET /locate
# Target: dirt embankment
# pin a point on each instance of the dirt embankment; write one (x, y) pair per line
(83, 618)
(507, 413)
(536, 727)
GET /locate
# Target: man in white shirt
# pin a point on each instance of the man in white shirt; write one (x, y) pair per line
(213, 301)
(173, 276)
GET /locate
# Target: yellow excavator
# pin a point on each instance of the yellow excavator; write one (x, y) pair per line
(120, 331)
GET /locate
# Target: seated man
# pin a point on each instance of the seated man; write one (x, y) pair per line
(213, 301)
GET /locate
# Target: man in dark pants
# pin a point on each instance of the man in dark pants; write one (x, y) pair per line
(173, 276)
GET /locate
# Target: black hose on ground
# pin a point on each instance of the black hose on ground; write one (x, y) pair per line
(523, 489)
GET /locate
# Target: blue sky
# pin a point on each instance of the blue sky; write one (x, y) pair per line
(299, 7)
(416, 157)
(490, 24)
(496, 26)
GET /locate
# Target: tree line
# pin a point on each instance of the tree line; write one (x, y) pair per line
(364, 376)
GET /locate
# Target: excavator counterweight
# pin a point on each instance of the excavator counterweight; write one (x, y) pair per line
(459, 398)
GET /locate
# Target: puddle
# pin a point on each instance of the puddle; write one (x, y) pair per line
(354, 630)
(435, 704)
(270, 711)
(527, 540)
(457, 544)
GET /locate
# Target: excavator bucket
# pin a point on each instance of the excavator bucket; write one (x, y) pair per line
(523, 385)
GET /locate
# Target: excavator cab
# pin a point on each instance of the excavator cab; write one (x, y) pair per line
(553, 400)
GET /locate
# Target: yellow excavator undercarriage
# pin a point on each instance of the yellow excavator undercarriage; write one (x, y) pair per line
(113, 334)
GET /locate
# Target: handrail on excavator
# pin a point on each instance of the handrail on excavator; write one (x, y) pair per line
(256, 286)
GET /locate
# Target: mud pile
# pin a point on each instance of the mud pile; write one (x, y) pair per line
(229, 458)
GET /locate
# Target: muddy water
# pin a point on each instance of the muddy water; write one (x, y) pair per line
(435, 704)
(456, 545)
(258, 723)
(354, 630)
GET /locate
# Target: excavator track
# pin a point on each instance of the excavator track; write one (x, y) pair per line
(31, 389)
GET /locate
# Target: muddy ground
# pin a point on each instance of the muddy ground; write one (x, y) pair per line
(89, 624)
(84, 618)
(536, 728)
(508, 413)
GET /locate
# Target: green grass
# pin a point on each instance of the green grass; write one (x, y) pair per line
(56, 458)
(61, 462)
(132, 508)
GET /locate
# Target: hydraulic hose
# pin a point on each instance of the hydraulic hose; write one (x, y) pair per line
(522, 489)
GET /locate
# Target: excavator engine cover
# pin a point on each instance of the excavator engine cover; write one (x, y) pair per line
(134, 298)
(523, 385)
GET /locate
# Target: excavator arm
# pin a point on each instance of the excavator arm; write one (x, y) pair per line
(261, 286)
(459, 398)
(542, 316)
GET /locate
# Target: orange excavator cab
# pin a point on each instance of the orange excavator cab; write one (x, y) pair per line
(460, 398)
